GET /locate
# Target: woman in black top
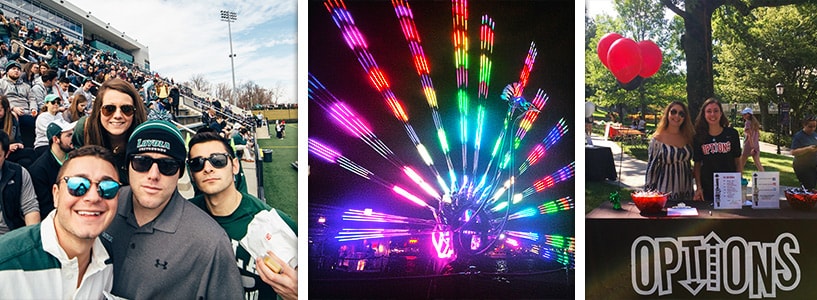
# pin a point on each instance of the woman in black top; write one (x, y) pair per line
(716, 148)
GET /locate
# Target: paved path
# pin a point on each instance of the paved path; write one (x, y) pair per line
(631, 171)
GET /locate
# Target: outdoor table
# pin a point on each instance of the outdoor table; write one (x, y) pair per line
(599, 163)
(620, 132)
(736, 253)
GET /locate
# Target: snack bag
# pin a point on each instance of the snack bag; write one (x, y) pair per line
(267, 231)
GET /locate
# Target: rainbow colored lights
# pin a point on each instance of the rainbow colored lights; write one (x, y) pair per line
(528, 66)
(355, 40)
(561, 204)
(367, 215)
(470, 205)
(486, 47)
(539, 151)
(354, 234)
(532, 236)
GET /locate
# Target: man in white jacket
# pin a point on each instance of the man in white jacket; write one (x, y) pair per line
(62, 257)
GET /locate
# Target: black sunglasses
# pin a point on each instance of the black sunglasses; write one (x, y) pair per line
(127, 110)
(217, 160)
(142, 163)
(78, 186)
(680, 113)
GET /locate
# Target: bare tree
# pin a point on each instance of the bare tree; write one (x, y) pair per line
(200, 83)
(276, 93)
(222, 92)
(250, 94)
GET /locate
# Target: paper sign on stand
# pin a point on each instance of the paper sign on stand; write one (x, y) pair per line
(766, 190)
(728, 193)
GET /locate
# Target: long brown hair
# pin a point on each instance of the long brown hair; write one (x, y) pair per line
(687, 131)
(74, 110)
(754, 124)
(701, 126)
(94, 132)
(7, 120)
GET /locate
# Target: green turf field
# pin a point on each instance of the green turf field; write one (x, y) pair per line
(280, 178)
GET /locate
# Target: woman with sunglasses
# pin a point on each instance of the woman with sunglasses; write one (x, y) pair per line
(51, 114)
(717, 149)
(804, 150)
(751, 142)
(117, 110)
(668, 166)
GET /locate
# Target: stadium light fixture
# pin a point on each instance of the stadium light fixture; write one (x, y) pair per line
(229, 17)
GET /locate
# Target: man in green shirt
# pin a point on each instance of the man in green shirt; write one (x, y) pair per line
(213, 165)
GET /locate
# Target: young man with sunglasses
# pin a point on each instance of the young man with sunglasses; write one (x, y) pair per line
(44, 170)
(164, 247)
(63, 258)
(213, 167)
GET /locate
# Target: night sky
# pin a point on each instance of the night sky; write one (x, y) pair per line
(549, 24)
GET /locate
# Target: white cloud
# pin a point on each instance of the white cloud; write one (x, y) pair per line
(598, 7)
(188, 37)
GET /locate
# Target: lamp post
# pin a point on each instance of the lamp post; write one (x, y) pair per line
(779, 89)
(229, 17)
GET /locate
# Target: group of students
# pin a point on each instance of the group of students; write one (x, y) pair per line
(709, 142)
(119, 226)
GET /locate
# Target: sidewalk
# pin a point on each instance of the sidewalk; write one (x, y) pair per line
(631, 171)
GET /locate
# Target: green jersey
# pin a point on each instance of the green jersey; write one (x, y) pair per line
(236, 226)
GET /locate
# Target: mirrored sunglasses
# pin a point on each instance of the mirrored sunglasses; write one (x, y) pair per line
(78, 186)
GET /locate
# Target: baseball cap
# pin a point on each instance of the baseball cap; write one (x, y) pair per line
(58, 126)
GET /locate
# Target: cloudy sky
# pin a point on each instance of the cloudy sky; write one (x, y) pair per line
(597, 7)
(187, 37)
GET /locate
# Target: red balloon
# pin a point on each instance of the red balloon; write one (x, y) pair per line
(604, 46)
(651, 58)
(624, 59)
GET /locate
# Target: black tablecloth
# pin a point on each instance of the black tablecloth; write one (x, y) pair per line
(599, 163)
(722, 254)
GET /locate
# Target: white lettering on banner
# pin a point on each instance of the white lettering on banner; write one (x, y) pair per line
(734, 265)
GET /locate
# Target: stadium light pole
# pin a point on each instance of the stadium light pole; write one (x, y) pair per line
(229, 17)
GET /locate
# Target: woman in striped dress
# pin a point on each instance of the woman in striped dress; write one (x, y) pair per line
(669, 167)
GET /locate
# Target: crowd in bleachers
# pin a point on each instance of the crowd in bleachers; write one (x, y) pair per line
(44, 76)
(57, 96)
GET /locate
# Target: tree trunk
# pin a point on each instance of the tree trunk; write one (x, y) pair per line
(697, 42)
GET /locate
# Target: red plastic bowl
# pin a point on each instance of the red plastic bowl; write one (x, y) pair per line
(800, 199)
(650, 204)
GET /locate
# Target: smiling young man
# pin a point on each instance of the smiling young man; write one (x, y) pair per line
(62, 257)
(213, 167)
(163, 247)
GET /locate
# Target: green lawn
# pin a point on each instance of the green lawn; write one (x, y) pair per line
(596, 193)
(773, 162)
(280, 178)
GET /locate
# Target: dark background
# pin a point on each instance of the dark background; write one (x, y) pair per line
(550, 24)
